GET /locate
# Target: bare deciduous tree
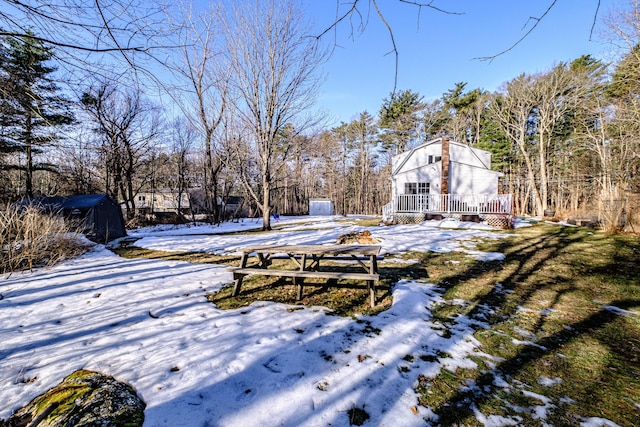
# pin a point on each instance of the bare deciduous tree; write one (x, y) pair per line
(183, 139)
(512, 112)
(363, 135)
(202, 64)
(531, 111)
(274, 66)
(556, 93)
(87, 31)
(127, 128)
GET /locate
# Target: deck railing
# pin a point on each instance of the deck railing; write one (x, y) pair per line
(499, 204)
(387, 211)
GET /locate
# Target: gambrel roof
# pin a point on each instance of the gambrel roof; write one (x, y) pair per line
(476, 158)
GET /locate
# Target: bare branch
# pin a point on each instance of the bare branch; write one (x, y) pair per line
(393, 43)
(340, 18)
(595, 18)
(109, 32)
(86, 31)
(72, 46)
(537, 21)
(353, 9)
(430, 6)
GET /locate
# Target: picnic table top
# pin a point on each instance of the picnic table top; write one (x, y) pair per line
(314, 249)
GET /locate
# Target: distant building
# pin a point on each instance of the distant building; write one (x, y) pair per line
(320, 207)
(162, 201)
(230, 206)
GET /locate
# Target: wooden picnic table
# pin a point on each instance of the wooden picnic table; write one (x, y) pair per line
(306, 259)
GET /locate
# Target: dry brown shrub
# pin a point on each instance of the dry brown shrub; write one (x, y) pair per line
(30, 238)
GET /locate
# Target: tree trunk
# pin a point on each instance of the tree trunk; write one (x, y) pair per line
(29, 158)
(266, 198)
(542, 195)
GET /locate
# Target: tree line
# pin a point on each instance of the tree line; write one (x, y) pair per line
(239, 83)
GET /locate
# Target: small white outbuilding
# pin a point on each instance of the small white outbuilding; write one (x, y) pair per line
(320, 207)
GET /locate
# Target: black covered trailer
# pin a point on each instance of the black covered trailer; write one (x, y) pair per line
(97, 216)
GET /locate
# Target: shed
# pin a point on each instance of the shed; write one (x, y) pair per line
(320, 207)
(97, 216)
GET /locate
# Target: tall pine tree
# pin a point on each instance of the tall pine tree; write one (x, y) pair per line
(399, 120)
(31, 107)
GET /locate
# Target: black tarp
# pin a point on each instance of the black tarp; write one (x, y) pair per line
(97, 216)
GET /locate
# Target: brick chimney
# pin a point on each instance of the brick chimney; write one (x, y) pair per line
(444, 183)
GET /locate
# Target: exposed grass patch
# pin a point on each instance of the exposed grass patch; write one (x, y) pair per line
(349, 298)
(563, 349)
(364, 222)
(344, 298)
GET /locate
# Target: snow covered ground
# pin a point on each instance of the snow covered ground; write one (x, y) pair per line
(147, 323)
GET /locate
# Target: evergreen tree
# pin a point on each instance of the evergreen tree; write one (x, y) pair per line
(435, 120)
(623, 147)
(31, 106)
(494, 139)
(399, 119)
(464, 111)
(625, 81)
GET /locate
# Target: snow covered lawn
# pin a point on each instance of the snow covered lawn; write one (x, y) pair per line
(147, 322)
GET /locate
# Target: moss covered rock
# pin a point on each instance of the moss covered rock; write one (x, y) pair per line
(84, 398)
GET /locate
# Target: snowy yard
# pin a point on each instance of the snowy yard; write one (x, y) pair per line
(147, 322)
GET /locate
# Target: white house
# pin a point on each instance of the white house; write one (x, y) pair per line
(444, 178)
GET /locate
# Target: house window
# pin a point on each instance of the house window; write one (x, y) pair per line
(433, 159)
(423, 188)
(416, 188)
(141, 198)
(410, 188)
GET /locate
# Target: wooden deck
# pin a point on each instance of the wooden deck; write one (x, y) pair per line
(448, 204)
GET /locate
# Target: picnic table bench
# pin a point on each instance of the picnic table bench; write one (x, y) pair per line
(306, 259)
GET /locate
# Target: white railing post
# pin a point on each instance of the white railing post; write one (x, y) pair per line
(449, 203)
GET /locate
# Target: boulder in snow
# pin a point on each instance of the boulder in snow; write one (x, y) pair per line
(84, 398)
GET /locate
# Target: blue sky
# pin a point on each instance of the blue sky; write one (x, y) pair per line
(437, 50)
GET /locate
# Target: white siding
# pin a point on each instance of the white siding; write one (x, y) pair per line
(486, 157)
(467, 179)
(162, 201)
(429, 173)
(418, 158)
(418, 165)
(470, 156)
